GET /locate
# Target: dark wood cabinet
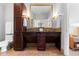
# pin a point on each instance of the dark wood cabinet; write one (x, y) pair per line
(41, 38)
(18, 26)
(18, 41)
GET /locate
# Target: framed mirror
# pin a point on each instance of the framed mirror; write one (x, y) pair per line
(41, 15)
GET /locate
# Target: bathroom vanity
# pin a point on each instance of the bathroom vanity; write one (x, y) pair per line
(38, 35)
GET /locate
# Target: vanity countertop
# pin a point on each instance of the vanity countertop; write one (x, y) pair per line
(44, 30)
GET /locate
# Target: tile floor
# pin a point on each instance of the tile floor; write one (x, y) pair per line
(51, 50)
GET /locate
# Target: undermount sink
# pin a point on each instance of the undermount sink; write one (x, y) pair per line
(41, 29)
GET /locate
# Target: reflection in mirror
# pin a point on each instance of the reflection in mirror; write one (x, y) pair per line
(25, 22)
(41, 16)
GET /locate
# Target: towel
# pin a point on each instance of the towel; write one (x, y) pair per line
(25, 22)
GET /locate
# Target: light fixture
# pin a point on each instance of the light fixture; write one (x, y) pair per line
(24, 13)
(28, 14)
(55, 16)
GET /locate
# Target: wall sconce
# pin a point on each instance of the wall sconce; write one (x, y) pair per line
(54, 17)
(25, 14)
(28, 14)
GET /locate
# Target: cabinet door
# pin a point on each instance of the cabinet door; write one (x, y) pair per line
(18, 17)
(18, 37)
(18, 41)
(18, 24)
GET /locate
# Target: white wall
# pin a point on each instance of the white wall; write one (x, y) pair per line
(2, 22)
(6, 20)
(65, 28)
(9, 22)
(73, 17)
(57, 10)
(61, 10)
(73, 13)
(9, 18)
(6, 25)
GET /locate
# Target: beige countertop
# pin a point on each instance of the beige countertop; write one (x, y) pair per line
(44, 30)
